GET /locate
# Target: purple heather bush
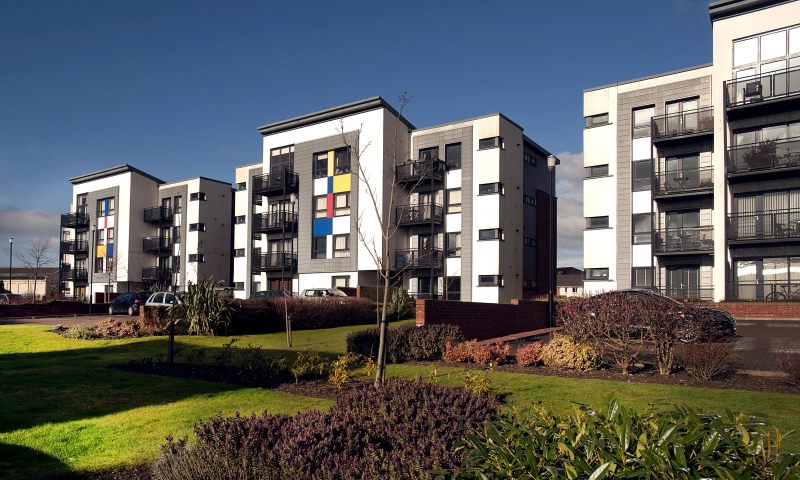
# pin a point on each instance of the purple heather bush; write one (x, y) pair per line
(405, 342)
(402, 430)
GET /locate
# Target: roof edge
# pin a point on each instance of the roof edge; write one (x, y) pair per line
(110, 172)
(536, 145)
(649, 77)
(198, 178)
(722, 9)
(470, 120)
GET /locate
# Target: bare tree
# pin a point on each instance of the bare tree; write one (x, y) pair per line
(37, 258)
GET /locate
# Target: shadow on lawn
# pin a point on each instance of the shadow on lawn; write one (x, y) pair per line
(63, 386)
(36, 464)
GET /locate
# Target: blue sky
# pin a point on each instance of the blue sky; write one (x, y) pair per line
(178, 88)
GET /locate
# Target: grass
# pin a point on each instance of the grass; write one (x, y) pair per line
(63, 411)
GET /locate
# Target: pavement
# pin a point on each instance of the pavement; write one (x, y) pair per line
(758, 341)
(66, 321)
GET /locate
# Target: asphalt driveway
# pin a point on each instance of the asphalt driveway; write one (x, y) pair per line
(758, 342)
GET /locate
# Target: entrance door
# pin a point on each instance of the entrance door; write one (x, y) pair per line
(425, 206)
(682, 116)
(683, 172)
(683, 282)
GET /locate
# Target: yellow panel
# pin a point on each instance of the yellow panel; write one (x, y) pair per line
(341, 183)
(101, 250)
(330, 163)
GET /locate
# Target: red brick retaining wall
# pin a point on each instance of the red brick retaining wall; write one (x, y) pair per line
(484, 320)
(744, 310)
(50, 309)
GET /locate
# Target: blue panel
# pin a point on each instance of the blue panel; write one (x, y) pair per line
(323, 226)
(110, 250)
(330, 184)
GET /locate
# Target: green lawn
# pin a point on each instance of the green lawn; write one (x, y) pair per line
(62, 410)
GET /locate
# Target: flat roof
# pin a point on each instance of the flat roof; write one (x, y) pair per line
(470, 120)
(110, 172)
(352, 108)
(673, 72)
(731, 8)
(537, 146)
(198, 178)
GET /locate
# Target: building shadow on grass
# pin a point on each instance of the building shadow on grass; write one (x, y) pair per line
(22, 463)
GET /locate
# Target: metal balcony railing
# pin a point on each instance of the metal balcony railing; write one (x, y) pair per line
(420, 170)
(155, 244)
(704, 292)
(74, 274)
(766, 155)
(691, 122)
(766, 86)
(75, 220)
(158, 214)
(424, 296)
(74, 246)
(680, 182)
(419, 214)
(276, 183)
(272, 221)
(156, 274)
(684, 240)
(764, 225)
(419, 258)
(277, 261)
(771, 290)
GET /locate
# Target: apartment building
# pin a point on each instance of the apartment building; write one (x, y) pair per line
(471, 214)
(127, 229)
(693, 176)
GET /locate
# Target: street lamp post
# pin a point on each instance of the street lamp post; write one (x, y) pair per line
(552, 161)
(10, 256)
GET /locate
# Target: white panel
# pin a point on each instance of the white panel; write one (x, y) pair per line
(745, 52)
(773, 45)
(641, 149)
(600, 249)
(412, 285)
(593, 287)
(641, 256)
(454, 178)
(322, 280)
(453, 267)
(240, 199)
(598, 146)
(177, 251)
(598, 195)
(641, 202)
(240, 236)
(329, 246)
(341, 225)
(454, 222)
(321, 186)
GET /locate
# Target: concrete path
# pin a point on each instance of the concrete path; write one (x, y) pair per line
(758, 342)
(65, 321)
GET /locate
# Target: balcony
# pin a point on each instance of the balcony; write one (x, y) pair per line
(75, 220)
(770, 290)
(73, 274)
(764, 91)
(687, 293)
(157, 244)
(418, 171)
(772, 225)
(689, 124)
(156, 274)
(74, 246)
(277, 261)
(419, 258)
(272, 184)
(421, 214)
(158, 214)
(683, 241)
(679, 183)
(424, 296)
(274, 221)
(765, 157)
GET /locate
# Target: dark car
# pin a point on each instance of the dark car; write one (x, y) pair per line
(12, 298)
(127, 302)
(270, 294)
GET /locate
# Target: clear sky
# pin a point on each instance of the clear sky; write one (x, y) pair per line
(178, 88)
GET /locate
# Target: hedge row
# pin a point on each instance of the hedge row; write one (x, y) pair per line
(267, 315)
(406, 342)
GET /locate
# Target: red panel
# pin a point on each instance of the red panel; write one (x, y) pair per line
(330, 205)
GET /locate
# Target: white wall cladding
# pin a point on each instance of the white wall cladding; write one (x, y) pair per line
(641, 256)
(641, 149)
(641, 202)
(599, 145)
(598, 197)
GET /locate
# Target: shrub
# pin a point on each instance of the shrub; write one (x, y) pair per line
(614, 441)
(264, 315)
(80, 332)
(257, 366)
(204, 309)
(459, 352)
(406, 342)
(566, 352)
(401, 430)
(472, 351)
(307, 363)
(789, 364)
(705, 360)
(529, 354)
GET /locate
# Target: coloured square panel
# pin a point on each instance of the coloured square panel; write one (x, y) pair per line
(322, 227)
(341, 183)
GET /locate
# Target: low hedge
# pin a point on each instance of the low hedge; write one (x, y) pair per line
(263, 315)
(406, 342)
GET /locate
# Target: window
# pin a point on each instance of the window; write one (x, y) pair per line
(429, 153)
(490, 234)
(596, 274)
(241, 186)
(321, 206)
(238, 285)
(452, 154)
(453, 288)
(642, 175)
(176, 234)
(239, 219)
(528, 242)
(341, 161)
(176, 264)
(454, 244)
(281, 159)
(642, 226)
(178, 205)
(337, 282)
(197, 196)
(100, 238)
(597, 171)
(98, 265)
(81, 203)
(105, 207)
(454, 200)
(321, 165)
(239, 252)
(341, 246)
(595, 120)
(490, 189)
(641, 121)
(528, 200)
(767, 48)
(196, 257)
(530, 160)
(493, 142)
(197, 227)
(490, 280)
(596, 222)
(642, 277)
(319, 247)
(341, 204)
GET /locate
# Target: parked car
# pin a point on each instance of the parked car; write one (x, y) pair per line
(12, 298)
(127, 302)
(322, 292)
(164, 299)
(270, 294)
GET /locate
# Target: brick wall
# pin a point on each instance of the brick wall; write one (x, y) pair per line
(484, 320)
(50, 309)
(745, 310)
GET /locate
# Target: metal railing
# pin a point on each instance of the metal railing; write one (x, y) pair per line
(687, 293)
(158, 214)
(419, 170)
(75, 220)
(424, 296)
(690, 122)
(150, 244)
(769, 154)
(74, 246)
(274, 183)
(264, 262)
(766, 86)
(690, 180)
(419, 258)
(771, 290)
(264, 222)
(764, 225)
(74, 274)
(156, 274)
(697, 239)
(420, 213)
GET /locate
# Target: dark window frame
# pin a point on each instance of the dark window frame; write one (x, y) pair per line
(449, 205)
(593, 223)
(490, 281)
(346, 279)
(339, 211)
(316, 211)
(648, 233)
(596, 171)
(642, 130)
(239, 252)
(341, 161)
(597, 120)
(650, 277)
(239, 187)
(320, 172)
(316, 252)
(495, 188)
(197, 227)
(497, 234)
(239, 219)
(452, 164)
(238, 285)
(454, 251)
(424, 153)
(490, 143)
(596, 274)
(642, 184)
(197, 196)
(341, 250)
(197, 258)
(528, 200)
(530, 159)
